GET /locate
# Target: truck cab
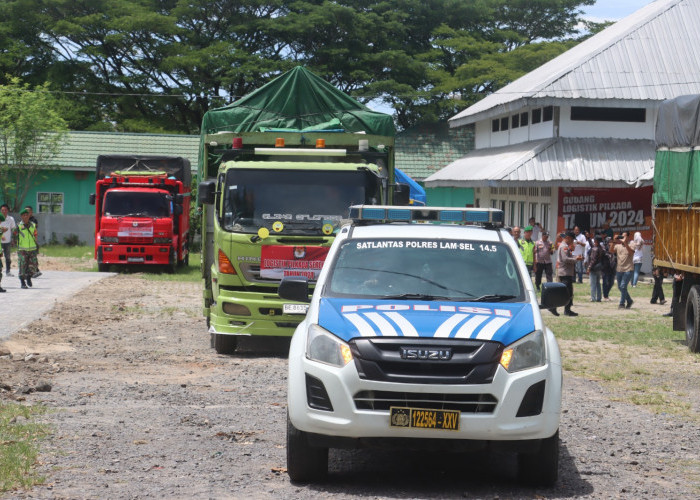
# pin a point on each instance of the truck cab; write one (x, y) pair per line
(141, 215)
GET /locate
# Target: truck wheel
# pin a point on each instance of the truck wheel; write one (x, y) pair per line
(692, 319)
(225, 344)
(305, 463)
(542, 467)
(102, 267)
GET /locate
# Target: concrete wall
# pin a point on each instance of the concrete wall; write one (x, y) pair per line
(65, 225)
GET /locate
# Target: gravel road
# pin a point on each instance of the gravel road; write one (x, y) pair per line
(141, 407)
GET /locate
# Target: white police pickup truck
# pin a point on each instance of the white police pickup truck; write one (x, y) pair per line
(424, 331)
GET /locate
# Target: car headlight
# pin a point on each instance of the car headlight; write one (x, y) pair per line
(528, 352)
(323, 346)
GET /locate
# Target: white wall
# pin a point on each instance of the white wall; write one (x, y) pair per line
(484, 138)
(615, 130)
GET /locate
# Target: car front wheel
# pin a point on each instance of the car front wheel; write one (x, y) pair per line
(542, 467)
(305, 463)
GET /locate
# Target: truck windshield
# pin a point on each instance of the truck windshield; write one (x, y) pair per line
(303, 202)
(136, 203)
(422, 269)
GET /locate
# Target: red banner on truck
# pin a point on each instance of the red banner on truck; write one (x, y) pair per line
(625, 209)
(277, 261)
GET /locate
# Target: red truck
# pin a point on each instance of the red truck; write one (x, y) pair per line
(142, 208)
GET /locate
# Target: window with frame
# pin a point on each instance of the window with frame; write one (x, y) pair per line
(515, 121)
(49, 203)
(547, 113)
(495, 125)
(536, 115)
(504, 123)
(523, 119)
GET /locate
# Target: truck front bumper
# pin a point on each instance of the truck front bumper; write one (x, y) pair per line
(136, 254)
(265, 316)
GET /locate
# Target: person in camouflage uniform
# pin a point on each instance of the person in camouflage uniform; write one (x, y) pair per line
(2, 230)
(27, 249)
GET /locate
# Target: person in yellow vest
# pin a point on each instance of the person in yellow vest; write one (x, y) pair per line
(27, 249)
(527, 248)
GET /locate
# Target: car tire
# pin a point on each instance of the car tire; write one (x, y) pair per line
(225, 344)
(305, 463)
(692, 319)
(542, 467)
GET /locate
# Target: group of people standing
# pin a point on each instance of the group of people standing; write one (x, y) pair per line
(603, 255)
(24, 234)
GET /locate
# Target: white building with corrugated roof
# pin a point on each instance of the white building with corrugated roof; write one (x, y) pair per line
(572, 142)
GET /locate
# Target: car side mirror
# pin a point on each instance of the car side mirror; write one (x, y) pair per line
(179, 198)
(177, 209)
(554, 295)
(92, 198)
(206, 193)
(294, 288)
(402, 194)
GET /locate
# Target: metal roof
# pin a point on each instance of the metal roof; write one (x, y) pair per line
(650, 55)
(557, 161)
(82, 148)
(423, 150)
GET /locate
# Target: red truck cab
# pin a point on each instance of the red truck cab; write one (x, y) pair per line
(141, 211)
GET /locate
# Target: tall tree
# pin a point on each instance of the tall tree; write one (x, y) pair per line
(31, 136)
(161, 64)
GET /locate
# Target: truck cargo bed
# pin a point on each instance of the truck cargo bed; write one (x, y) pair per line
(677, 237)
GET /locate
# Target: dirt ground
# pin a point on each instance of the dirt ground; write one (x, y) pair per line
(141, 407)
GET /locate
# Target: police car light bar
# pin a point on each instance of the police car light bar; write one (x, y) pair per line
(386, 213)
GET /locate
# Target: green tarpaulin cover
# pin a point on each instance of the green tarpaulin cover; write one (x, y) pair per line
(297, 101)
(677, 165)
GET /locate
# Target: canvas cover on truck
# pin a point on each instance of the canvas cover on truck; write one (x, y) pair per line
(297, 101)
(174, 166)
(677, 164)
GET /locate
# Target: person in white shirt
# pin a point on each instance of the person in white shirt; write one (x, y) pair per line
(7, 227)
(536, 229)
(579, 250)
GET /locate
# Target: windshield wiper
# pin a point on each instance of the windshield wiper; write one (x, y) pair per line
(417, 296)
(493, 298)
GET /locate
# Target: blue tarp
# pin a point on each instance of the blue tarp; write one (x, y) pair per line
(417, 193)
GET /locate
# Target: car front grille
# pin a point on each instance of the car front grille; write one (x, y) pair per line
(466, 403)
(470, 361)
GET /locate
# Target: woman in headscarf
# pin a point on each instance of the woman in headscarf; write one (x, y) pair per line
(638, 245)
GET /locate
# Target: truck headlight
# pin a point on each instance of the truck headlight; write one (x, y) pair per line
(110, 239)
(323, 346)
(528, 352)
(162, 241)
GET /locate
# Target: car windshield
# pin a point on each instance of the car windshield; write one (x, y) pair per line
(137, 204)
(417, 269)
(294, 201)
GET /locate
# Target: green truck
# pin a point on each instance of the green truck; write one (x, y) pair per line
(278, 171)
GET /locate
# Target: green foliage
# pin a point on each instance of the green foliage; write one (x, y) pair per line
(31, 136)
(19, 446)
(158, 66)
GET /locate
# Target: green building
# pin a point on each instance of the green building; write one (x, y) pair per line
(67, 190)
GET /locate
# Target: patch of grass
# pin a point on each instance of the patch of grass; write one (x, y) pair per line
(19, 447)
(190, 272)
(77, 252)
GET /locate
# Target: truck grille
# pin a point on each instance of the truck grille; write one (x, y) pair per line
(466, 403)
(251, 273)
(134, 240)
(470, 362)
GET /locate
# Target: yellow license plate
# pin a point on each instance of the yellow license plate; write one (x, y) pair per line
(424, 419)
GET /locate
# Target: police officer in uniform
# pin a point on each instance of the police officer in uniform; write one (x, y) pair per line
(27, 249)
